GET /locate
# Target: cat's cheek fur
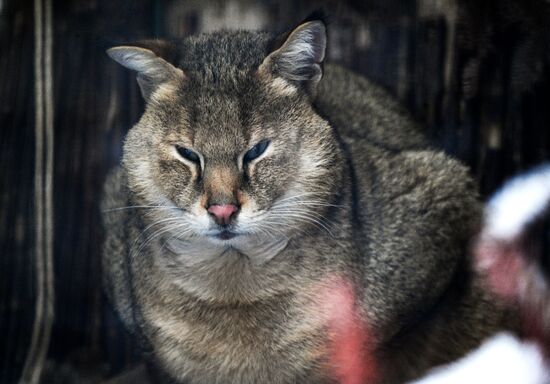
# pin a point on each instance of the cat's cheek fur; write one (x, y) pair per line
(249, 211)
(269, 180)
(179, 181)
(199, 217)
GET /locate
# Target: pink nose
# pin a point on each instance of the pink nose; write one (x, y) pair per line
(222, 213)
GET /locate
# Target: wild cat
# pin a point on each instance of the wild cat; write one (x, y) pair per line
(278, 220)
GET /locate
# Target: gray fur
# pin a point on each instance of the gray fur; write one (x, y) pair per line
(382, 210)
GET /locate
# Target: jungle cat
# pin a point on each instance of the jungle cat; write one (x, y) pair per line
(272, 214)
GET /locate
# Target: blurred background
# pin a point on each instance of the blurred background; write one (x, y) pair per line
(476, 73)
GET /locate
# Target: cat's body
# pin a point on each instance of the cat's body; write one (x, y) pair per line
(390, 222)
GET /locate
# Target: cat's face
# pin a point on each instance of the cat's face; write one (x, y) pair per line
(230, 153)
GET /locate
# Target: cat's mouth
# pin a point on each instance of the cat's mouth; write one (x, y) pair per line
(223, 233)
(226, 234)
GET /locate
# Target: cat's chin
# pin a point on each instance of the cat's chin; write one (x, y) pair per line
(258, 249)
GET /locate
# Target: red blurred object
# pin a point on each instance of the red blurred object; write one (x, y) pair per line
(351, 356)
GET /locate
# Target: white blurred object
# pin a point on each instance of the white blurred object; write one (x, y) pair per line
(502, 359)
(510, 257)
(517, 203)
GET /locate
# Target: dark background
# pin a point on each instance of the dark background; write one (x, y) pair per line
(477, 73)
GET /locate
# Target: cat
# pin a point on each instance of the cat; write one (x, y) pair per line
(276, 219)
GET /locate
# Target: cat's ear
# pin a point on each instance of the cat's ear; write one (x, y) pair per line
(150, 59)
(299, 58)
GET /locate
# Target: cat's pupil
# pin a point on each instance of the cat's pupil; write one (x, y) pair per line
(256, 151)
(188, 154)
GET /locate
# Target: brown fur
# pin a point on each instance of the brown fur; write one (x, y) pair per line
(367, 201)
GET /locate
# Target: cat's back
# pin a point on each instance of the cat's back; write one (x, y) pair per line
(411, 201)
(399, 179)
(361, 111)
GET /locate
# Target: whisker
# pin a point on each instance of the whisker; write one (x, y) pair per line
(301, 218)
(303, 194)
(143, 232)
(138, 207)
(308, 216)
(157, 234)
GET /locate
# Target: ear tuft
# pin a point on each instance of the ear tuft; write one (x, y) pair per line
(152, 70)
(300, 57)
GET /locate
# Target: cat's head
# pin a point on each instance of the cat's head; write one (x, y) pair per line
(230, 142)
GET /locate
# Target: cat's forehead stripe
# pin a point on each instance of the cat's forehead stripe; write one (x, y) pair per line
(217, 125)
(221, 57)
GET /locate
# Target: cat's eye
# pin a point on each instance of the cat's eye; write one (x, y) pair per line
(256, 151)
(188, 154)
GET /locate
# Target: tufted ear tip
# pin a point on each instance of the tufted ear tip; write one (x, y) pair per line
(115, 53)
(112, 52)
(119, 53)
(137, 59)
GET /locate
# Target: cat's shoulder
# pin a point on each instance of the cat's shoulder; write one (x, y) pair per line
(114, 189)
(115, 215)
